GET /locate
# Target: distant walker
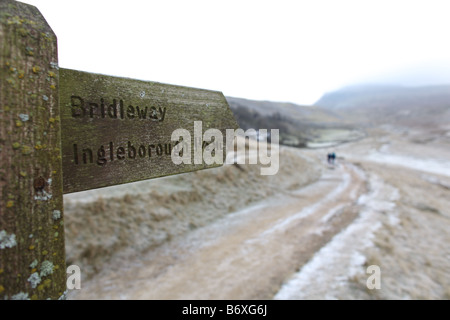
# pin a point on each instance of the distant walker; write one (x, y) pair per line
(331, 158)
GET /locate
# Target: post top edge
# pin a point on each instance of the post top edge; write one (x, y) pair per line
(23, 14)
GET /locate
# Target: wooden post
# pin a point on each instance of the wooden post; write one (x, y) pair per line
(32, 253)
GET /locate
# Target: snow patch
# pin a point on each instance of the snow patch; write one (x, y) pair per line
(343, 257)
(282, 223)
(334, 211)
(426, 165)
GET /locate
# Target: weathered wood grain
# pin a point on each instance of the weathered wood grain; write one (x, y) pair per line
(32, 253)
(118, 130)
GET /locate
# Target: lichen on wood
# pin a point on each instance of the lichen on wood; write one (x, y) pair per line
(30, 157)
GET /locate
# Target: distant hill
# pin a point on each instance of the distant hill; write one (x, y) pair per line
(375, 105)
(342, 115)
(299, 125)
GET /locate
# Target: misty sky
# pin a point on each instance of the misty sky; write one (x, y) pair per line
(265, 50)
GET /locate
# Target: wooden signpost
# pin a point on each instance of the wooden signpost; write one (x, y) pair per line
(118, 130)
(65, 131)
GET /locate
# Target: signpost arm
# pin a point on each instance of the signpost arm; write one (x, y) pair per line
(32, 253)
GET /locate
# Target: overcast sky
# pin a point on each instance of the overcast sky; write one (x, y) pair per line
(265, 50)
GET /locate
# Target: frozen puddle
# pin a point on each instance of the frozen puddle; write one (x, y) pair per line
(326, 275)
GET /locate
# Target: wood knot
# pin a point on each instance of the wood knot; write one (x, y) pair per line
(39, 184)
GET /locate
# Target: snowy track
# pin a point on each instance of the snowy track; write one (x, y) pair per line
(246, 255)
(385, 205)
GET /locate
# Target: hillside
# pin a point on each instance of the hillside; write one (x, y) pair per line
(300, 126)
(425, 107)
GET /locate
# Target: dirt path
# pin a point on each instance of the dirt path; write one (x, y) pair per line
(246, 255)
(385, 204)
(402, 228)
